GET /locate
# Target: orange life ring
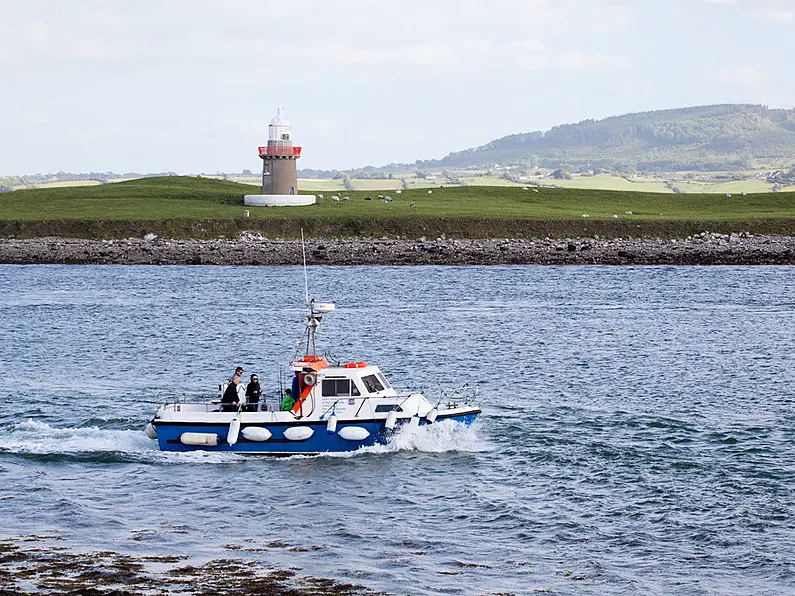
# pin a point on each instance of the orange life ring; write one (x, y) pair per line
(355, 364)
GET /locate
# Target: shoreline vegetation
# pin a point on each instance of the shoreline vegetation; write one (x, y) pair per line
(189, 220)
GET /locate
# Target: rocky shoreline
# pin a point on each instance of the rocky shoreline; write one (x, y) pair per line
(252, 249)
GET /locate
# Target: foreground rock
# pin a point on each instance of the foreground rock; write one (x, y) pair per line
(27, 567)
(701, 249)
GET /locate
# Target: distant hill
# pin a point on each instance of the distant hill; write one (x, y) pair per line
(706, 138)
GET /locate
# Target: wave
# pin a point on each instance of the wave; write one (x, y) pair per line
(39, 438)
(442, 437)
(36, 438)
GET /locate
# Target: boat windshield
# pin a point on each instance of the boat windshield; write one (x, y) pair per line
(384, 381)
(372, 384)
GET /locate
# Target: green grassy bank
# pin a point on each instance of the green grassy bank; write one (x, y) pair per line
(180, 207)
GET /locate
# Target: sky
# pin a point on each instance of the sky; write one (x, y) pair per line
(191, 85)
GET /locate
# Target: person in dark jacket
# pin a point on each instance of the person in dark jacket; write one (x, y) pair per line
(230, 400)
(253, 393)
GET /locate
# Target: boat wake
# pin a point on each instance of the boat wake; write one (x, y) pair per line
(35, 438)
(443, 437)
(32, 437)
(39, 439)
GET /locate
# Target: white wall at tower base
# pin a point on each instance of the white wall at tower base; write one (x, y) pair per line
(278, 200)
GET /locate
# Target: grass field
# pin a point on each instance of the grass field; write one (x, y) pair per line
(612, 183)
(308, 185)
(318, 185)
(184, 201)
(70, 183)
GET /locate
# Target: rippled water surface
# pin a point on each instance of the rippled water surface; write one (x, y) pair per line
(638, 433)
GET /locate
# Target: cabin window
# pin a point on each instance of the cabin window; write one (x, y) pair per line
(384, 381)
(372, 384)
(285, 136)
(338, 387)
(385, 408)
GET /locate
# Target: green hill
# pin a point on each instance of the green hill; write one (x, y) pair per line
(705, 138)
(180, 206)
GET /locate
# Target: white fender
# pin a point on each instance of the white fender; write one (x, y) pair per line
(256, 433)
(199, 439)
(431, 416)
(298, 433)
(354, 433)
(391, 420)
(151, 431)
(331, 425)
(415, 421)
(234, 431)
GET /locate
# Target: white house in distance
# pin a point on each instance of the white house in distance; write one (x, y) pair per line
(279, 177)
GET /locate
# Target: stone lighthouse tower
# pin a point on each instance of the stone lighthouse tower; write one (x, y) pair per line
(279, 178)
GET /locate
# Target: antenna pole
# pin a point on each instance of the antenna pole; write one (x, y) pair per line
(306, 280)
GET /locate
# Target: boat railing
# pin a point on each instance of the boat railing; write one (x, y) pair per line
(454, 395)
(465, 394)
(210, 404)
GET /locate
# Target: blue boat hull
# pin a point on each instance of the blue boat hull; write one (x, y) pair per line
(169, 437)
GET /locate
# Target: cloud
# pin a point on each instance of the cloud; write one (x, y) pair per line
(778, 16)
(777, 11)
(741, 76)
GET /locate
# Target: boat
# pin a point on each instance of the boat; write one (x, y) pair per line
(338, 407)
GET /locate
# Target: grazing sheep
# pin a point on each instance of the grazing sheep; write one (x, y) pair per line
(535, 190)
(615, 216)
(368, 198)
(585, 215)
(430, 191)
(411, 204)
(388, 198)
(335, 198)
(319, 196)
(384, 201)
(380, 196)
(398, 191)
(346, 198)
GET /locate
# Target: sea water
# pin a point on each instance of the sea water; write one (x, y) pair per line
(637, 436)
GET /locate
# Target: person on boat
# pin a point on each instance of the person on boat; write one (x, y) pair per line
(253, 393)
(230, 399)
(238, 373)
(287, 401)
(296, 385)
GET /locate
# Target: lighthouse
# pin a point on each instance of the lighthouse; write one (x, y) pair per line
(279, 177)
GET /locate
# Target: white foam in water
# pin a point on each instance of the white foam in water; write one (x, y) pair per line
(442, 437)
(32, 436)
